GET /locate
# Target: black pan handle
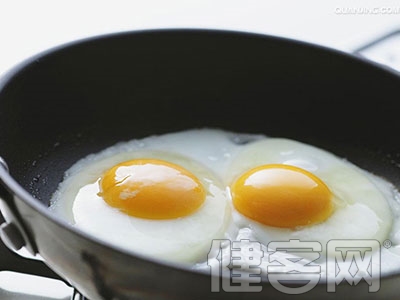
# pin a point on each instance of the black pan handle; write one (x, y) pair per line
(386, 49)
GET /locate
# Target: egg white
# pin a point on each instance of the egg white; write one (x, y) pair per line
(361, 209)
(365, 210)
(184, 239)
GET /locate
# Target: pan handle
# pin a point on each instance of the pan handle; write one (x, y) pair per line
(383, 50)
(14, 235)
(13, 231)
(12, 261)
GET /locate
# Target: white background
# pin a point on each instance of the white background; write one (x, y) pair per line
(28, 27)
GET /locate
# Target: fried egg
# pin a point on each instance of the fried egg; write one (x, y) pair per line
(283, 189)
(169, 196)
(152, 202)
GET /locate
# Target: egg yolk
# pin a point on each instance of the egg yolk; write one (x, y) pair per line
(282, 196)
(152, 189)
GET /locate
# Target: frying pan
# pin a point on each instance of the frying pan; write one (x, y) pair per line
(80, 98)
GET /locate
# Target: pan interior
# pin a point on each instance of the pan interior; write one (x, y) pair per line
(85, 97)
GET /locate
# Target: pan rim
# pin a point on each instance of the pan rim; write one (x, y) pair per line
(6, 78)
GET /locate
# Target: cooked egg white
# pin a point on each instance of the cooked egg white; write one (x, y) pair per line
(359, 205)
(179, 239)
(360, 209)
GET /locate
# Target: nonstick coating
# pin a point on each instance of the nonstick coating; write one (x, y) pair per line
(76, 100)
(79, 100)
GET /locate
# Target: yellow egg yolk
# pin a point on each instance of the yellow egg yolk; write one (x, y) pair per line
(282, 196)
(152, 189)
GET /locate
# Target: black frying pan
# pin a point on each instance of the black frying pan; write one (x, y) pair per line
(78, 99)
